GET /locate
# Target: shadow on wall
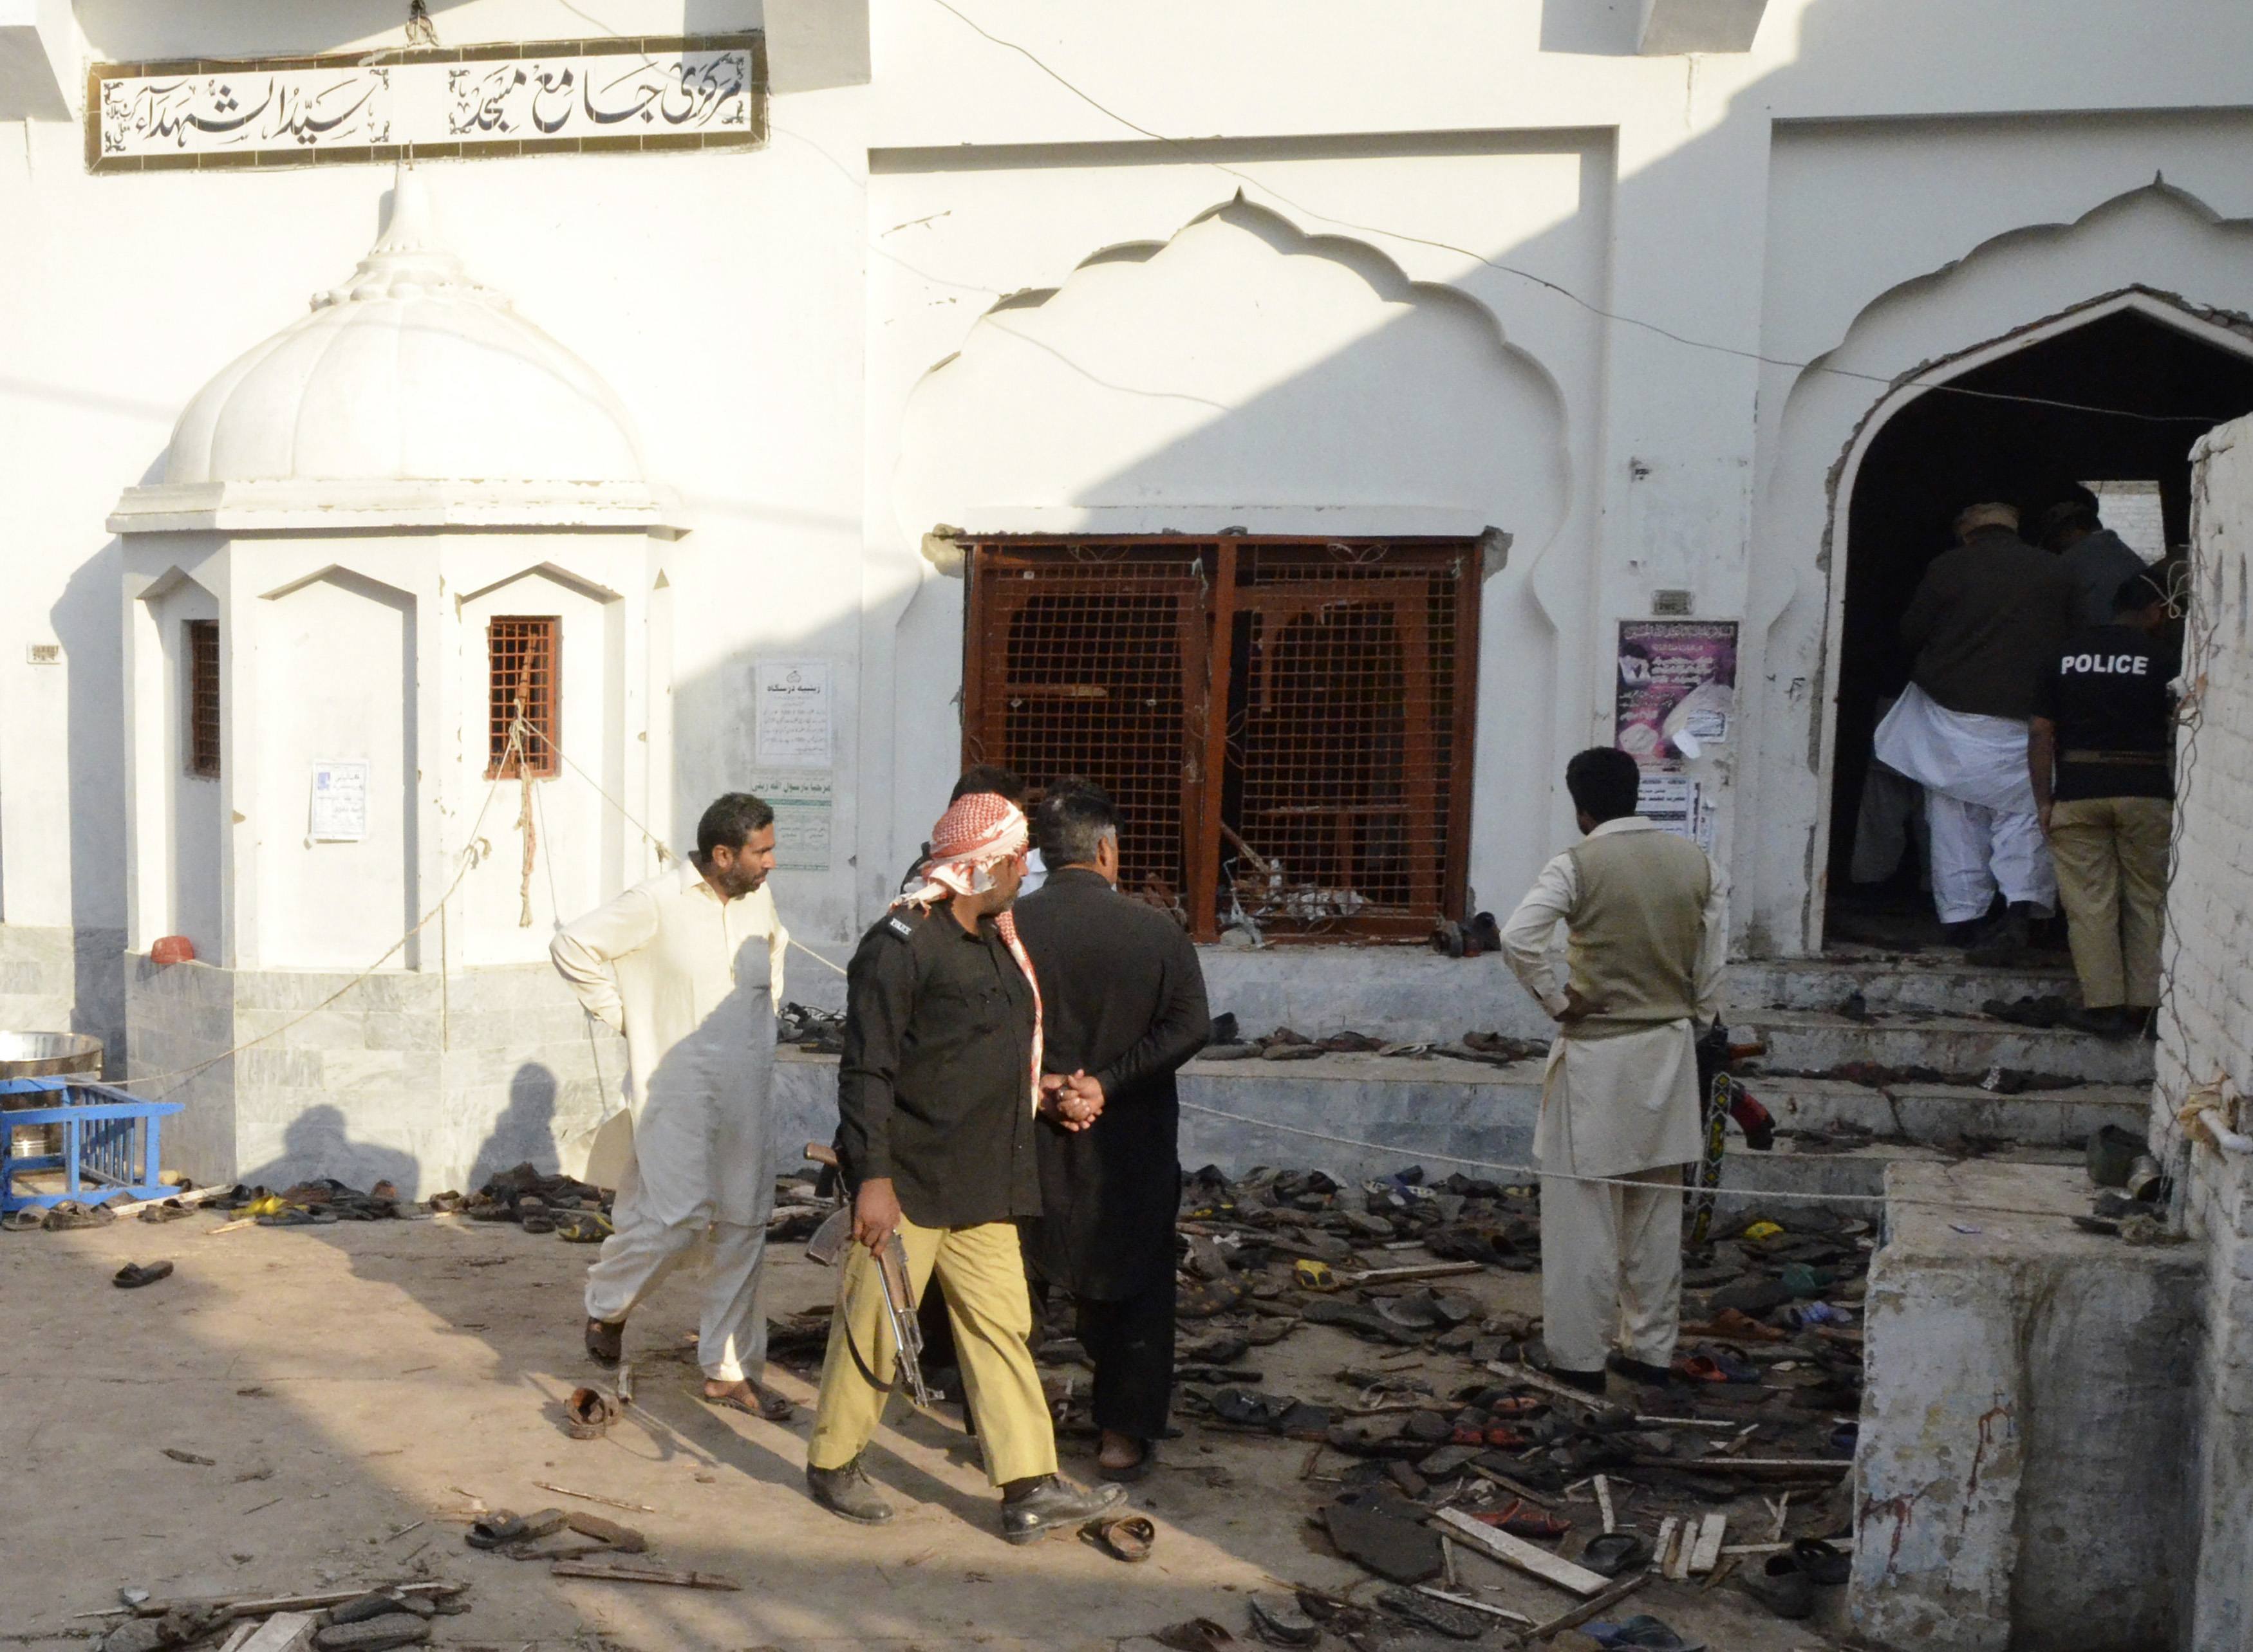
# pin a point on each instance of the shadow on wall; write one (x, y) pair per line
(525, 1132)
(319, 1143)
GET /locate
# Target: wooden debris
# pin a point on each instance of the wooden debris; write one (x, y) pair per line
(614, 1572)
(1515, 1488)
(1469, 1605)
(588, 1496)
(1746, 1464)
(1662, 1559)
(252, 1607)
(1706, 1548)
(1523, 1556)
(1611, 1597)
(284, 1632)
(1604, 1504)
(1417, 1271)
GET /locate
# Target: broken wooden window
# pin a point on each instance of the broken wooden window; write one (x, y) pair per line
(521, 654)
(200, 702)
(1285, 725)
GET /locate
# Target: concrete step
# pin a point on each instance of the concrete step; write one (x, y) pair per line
(1411, 993)
(1813, 1040)
(1937, 983)
(1358, 1116)
(1949, 1115)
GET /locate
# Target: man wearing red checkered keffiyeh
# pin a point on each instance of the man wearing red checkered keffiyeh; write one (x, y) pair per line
(938, 1099)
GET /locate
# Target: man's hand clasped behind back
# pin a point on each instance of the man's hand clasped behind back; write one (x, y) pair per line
(1074, 1103)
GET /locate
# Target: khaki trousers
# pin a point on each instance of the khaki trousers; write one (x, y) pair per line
(1611, 1267)
(983, 1273)
(2112, 856)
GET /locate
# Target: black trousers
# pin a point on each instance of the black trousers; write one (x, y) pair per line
(1131, 1344)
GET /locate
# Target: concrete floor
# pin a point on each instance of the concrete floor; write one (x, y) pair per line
(351, 1381)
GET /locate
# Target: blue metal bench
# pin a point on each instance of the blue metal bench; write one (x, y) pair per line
(112, 1142)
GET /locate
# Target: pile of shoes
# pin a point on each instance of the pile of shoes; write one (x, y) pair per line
(537, 1201)
(314, 1203)
(817, 1031)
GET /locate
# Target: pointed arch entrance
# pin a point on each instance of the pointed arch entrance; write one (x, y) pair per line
(2017, 418)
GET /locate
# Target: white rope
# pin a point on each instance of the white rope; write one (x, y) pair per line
(1533, 1173)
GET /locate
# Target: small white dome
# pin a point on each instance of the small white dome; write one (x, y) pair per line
(410, 373)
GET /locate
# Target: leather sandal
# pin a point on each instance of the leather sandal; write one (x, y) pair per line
(1122, 1537)
(606, 1341)
(770, 1407)
(589, 1413)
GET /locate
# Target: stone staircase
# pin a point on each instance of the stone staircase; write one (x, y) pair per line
(1371, 1115)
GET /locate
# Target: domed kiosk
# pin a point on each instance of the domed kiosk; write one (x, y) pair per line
(396, 623)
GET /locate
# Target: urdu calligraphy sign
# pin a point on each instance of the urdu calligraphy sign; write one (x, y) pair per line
(572, 96)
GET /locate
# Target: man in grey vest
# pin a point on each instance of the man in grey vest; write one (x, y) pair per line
(1647, 928)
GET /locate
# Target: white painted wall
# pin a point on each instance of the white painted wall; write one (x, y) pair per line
(773, 322)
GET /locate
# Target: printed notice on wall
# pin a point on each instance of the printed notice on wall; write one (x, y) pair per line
(804, 807)
(1676, 676)
(339, 812)
(1674, 803)
(793, 706)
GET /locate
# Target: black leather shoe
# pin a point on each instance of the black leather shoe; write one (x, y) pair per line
(846, 1492)
(1053, 1502)
(1642, 1371)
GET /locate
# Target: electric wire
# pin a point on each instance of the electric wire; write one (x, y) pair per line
(1814, 364)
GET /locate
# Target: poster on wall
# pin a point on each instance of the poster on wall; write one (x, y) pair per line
(804, 801)
(1673, 802)
(794, 712)
(339, 808)
(1676, 676)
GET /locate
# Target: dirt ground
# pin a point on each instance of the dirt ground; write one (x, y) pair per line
(356, 1387)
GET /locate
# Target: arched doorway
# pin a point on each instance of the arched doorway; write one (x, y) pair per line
(2014, 421)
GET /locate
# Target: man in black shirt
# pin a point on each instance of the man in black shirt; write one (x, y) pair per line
(1123, 1007)
(937, 1090)
(2098, 752)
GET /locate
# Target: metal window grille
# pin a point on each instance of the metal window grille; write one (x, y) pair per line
(521, 654)
(1285, 725)
(202, 698)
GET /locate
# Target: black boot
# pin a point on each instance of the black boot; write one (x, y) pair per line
(845, 1491)
(2002, 946)
(1031, 1509)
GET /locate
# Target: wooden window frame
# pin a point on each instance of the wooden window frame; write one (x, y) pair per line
(1210, 764)
(539, 761)
(201, 702)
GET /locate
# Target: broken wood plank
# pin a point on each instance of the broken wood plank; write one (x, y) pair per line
(1705, 1549)
(1542, 1382)
(1580, 1615)
(1662, 1559)
(284, 1632)
(250, 1605)
(611, 1572)
(588, 1496)
(1415, 1271)
(1524, 1557)
(1515, 1488)
(1604, 1504)
(1469, 1605)
(1746, 1464)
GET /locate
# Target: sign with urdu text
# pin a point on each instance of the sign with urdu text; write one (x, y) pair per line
(570, 95)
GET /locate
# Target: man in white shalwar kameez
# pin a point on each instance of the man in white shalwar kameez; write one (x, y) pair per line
(689, 967)
(1988, 618)
(1646, 918)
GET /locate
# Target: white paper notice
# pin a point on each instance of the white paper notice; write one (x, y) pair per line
(339, 813)
(804, 807)
(1670, 802)
(794, 713)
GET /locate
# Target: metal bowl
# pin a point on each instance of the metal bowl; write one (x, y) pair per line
(43, 1054)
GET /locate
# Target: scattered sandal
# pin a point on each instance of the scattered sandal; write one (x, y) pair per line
(1282, 1622)
(133, 1275)
(582, 1227)
(1616, 1552)
(1457, 1623)
(589, 1413)
(1128, 1537)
